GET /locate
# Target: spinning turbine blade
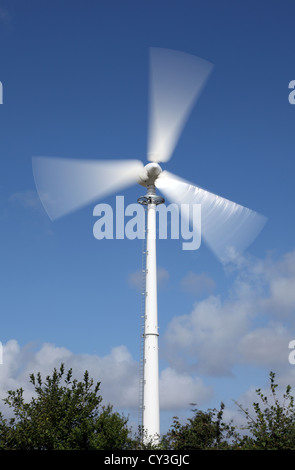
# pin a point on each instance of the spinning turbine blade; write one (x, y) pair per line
(176, 80)
(65, 185)
(228, 228)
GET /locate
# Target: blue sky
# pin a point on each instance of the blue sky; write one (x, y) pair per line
(75, 85)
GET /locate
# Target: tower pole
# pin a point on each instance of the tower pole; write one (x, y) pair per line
(151, 407)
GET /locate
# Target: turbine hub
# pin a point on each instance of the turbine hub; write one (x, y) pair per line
(149, 174)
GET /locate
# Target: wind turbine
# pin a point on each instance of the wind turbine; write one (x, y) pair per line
(65, 185)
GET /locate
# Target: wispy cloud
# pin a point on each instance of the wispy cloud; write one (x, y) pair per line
(28, 199)
(136, 279)
(5, 16)
(197, 284)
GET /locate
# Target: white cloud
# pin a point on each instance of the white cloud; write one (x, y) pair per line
(270, 282)
(282, 295)
(117, 372)
(178, 390)
(266, 346)
(206, 340)
(253, 325)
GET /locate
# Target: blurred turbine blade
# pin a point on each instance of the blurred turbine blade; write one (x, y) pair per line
(65, 185)
(226, 227)
(176, 81)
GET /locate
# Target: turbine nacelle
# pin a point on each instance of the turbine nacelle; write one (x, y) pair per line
(149, 174)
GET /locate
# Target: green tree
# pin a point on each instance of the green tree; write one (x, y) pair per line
(272, 426)
(64, 414)
(205, 430)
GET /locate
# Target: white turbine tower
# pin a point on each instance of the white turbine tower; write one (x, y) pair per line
(65, 185)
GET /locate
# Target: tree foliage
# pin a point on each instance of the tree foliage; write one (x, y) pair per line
(66, 414)
(205, 430)
(63, 414)
(269, 426)
(272, 426)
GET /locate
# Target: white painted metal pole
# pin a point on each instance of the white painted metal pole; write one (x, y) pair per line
(151, 412)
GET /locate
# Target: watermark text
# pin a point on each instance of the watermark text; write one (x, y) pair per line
(292, 93)
(292, 353)
(184, 222)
